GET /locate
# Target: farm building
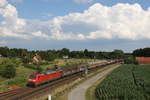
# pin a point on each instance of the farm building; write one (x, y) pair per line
(37, 58)
(143, 60)
(65, 57)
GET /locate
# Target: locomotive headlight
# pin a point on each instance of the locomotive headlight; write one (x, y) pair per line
(32, 80)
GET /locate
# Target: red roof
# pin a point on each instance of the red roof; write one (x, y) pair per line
(143, 60)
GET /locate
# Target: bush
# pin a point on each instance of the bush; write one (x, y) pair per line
(16, 62)
(130, 60)
(26, 59)
(8, 70)
(44, 63)
(39, 69)
(31, 66)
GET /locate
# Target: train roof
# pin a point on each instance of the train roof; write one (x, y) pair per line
(50, 71)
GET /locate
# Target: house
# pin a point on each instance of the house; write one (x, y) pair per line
(65, 57)
(37, 58)
(143, 60)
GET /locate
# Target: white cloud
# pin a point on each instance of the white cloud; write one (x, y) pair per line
(82, 1)
(40, 34)
(123, 21)
(12, 25)
(3, 3)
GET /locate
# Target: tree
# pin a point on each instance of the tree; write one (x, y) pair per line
(86, 53)
(145, 52)
(64, 52)
(26, 59)
(4, 51)
(47, 55)
(130, 60)
(117, 54)
(8, 70)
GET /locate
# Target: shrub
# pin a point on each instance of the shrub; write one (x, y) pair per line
(39, 69)
(8, 70)
(130, 60)
(44, 63)
(31, 66)
(26, 59)
(16, 62)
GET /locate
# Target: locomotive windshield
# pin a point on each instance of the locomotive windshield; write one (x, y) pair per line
(33, 76)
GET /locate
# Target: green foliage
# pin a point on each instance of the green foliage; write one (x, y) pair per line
(8, 70)
(130, 60)
(16, 62)
(128, 82)
(47, 55)
(4, 51)
(64, 52)
(14, 52)
(31, 66)
(117, 54)
(44, 63)
(18, 81)
(39, 69)
(50, 55)
(145, 52)
(86, 53)
(26, 59)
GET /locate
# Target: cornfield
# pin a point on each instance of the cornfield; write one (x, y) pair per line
(128, 82)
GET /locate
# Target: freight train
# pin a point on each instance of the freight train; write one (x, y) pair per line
(37, 79)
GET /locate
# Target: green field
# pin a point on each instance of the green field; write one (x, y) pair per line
(128, 82)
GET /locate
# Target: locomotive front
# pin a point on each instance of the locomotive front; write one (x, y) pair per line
(32, 81)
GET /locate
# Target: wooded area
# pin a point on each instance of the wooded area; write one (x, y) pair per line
(50, 55)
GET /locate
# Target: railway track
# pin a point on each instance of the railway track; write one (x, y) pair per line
(27, 93)
(12, 93)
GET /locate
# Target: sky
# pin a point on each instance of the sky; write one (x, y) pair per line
(99, 25)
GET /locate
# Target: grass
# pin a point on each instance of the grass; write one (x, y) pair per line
(90, 94)
(20, 79)
(66, 62)
(22, 73)
(128, 82)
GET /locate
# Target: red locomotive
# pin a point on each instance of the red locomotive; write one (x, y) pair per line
(43, 77)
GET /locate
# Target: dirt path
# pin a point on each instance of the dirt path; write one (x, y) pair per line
(79, 92)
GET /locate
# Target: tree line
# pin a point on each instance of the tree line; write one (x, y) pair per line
(8, 66)
(50, 55)
(142, 52)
